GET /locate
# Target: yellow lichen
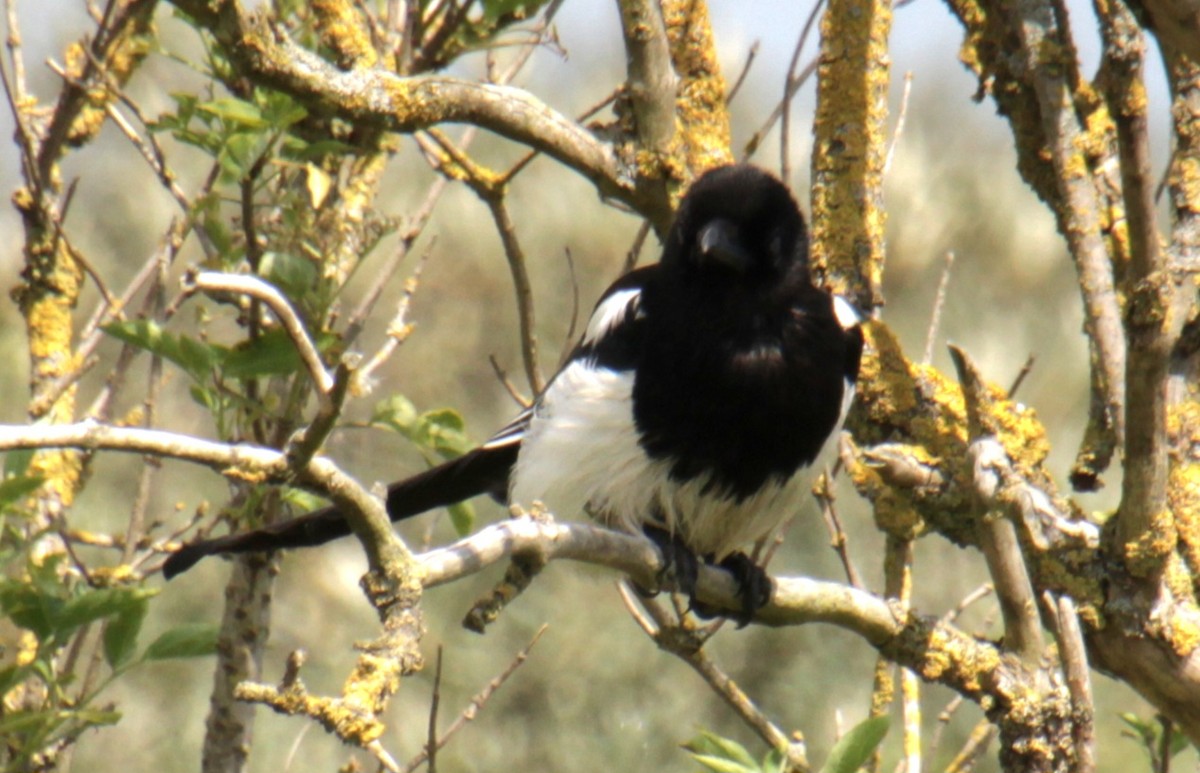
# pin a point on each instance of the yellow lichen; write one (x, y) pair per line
(849, 148)
(700, 109)
(1144, 555)
(343, 30)
(1183, 500)
(372, 682)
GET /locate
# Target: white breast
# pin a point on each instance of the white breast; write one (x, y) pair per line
(581, 454)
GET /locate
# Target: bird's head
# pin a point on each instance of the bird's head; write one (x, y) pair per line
(737, 221)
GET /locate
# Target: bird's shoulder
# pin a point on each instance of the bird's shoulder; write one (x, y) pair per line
(615, 332)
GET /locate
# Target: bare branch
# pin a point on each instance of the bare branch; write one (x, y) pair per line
(651, 79)
(382, 99)
(414, 228)
(681, 638)
(477, 702)
(399, 329)
(973, 749)
(491, 188)
(837, 535)
(998, 537)
(1073, 653)
(791, 85)
(741, 78)
(898, 132)
(939, 303)
(212, 282)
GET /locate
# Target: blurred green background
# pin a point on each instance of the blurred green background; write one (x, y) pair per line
(595, 694)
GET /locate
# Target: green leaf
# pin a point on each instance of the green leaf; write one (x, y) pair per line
(196, 358)
(444, 431)
(10, 676)
(303, 501)
(298, 149)
(271, 354)
(462, 515)
(774, 761)
(120, 636)
(495, 9)
(235, 111)
(853, 749)
(17, 462)
(396, 413)
(29, 607)
(14, 489)
(205, 397)
(280, 110)
(294, 275)
(190, 640)
(97, 716)
(709, 744)
(723, 765)
(97, 604)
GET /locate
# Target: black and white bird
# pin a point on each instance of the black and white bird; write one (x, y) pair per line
(695, 408)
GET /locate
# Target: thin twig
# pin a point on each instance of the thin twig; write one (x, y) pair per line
(939, 303)
(683, 641)
(790, 87)
(506, 382)
(943, 720)
(983, 591)
(477, 702)
(518, 267)
(488, 187)
(974, 748)
(109, 299)
(569, 338)
(1165, 737)
(155, 381)
(898, 132)
(741, 78)
(1020, 379)
(399, 329)
(431, 745)
(837, 535)
(416, 226)
(1073, 652)
(794, 82)
(635, 251)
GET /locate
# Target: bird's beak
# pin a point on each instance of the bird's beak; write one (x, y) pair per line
(718, 241)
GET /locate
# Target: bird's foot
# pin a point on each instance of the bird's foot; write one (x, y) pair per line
(681, 565)
(755, 586)
(681, 569)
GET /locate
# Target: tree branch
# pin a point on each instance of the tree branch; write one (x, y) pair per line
(650, 78)
(382, 99)
(212, 282)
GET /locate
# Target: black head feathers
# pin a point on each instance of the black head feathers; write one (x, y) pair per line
(738, 218)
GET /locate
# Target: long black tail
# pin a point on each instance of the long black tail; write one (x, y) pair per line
(482, 471)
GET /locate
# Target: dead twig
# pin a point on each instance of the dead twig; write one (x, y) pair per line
(939, 303)
(476, 703)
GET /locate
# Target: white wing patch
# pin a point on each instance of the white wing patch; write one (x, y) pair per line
(846, 315)
(609, 312)
(512, 432)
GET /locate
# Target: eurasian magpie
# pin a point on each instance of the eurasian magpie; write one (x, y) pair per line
(693, 409)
